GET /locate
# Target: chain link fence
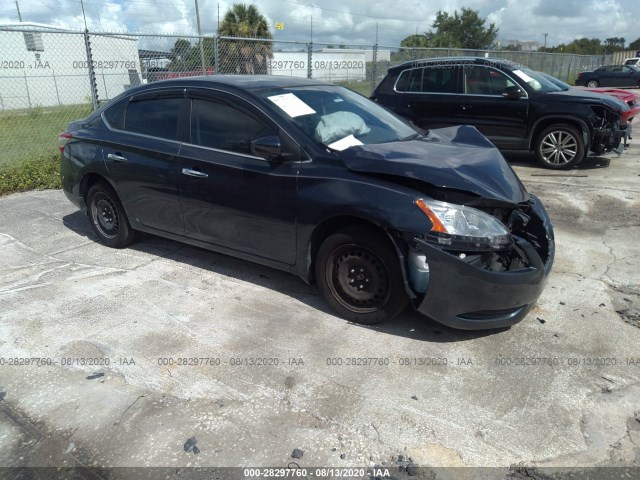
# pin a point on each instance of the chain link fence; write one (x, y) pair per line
(49, 77)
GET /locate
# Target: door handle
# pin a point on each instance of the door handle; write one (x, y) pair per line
(116, 158)
(194, 173)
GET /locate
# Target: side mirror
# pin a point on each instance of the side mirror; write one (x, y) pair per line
(513, 92)
(267, 147)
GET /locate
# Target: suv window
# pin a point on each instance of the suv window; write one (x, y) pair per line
(480, 80)
(157, 117)
(218, 125)
(436, 79)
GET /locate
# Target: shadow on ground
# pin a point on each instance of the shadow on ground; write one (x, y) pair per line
(409, 324)
(528, 160)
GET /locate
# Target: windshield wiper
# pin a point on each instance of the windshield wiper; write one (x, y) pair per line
(411, 137)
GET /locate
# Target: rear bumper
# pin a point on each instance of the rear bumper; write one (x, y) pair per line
(70, 183)
(463, 296)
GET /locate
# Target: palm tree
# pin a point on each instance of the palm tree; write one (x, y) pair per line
(244, 56)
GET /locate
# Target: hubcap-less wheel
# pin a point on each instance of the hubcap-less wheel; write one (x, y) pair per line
(358, 279)
(592, 84)
(359, 274)
(105, 215)
(559, 147)
(108, 217)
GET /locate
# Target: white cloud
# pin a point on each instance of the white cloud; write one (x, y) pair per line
(347, 22)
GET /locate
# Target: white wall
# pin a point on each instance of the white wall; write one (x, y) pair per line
(58, 75)
(382, 55)
(329, 66)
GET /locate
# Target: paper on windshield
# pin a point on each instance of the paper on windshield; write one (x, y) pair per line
(345, 143)
(523, 76)
(292, 105)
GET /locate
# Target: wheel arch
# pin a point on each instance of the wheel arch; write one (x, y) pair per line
(546, 122)
(87, 181)
(331, 225)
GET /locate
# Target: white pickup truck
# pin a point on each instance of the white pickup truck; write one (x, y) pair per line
(634, 62)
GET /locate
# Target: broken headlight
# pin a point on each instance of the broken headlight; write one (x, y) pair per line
(461, 227)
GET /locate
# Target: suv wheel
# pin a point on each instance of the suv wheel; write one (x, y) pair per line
(107, 216)
(359, 275)
(593, 84)
(560, 146)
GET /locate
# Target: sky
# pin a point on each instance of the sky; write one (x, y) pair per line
(343, 21)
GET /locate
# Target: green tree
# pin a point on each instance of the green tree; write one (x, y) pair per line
(415, 41)
(461, 30)
(513, 48)
(244, 56)
(614, 44)
(580, 46)
(635, 45)
(187, 57)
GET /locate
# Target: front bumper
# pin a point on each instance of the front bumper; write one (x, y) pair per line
(611, 140)
(464, 296)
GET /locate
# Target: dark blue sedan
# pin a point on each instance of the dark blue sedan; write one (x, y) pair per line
(610, 76)
(316, 180)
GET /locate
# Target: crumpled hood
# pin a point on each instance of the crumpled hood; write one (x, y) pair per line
(587, 96)
(459, 158)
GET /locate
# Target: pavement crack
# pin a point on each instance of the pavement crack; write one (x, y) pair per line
(373, 425)
(125, 412)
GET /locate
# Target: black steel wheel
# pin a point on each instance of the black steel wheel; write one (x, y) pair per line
(108, 218)
(560, 146)
(359, 275)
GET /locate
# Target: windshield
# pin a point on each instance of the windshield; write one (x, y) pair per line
(563, 86)
(337, 117)
(536, 81)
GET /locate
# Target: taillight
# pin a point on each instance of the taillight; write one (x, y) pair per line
(63, 138)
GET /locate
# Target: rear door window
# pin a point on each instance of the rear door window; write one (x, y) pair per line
(479, 80)
(114, 114)
(435, 79)
(157, 117)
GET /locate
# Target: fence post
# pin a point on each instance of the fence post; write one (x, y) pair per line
(309, 59)
(216, 49)
(93, 86)
(26, 86)
(374, 72)
(104, 82)
(569, 68)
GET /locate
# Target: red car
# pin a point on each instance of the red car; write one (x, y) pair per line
(630, 98)
(626, 96)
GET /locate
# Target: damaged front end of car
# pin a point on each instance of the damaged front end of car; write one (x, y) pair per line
(479, 267)
(608, 132)
(480, 248)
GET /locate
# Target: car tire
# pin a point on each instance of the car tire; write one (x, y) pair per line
(593, 84)
(107, 216)
(355, 255)
(560, 147)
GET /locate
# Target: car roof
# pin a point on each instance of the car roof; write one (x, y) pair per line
(231, 82)
(501, 62)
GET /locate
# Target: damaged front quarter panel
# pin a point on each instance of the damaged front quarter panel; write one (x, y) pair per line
(487, 247)
(484, 288)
